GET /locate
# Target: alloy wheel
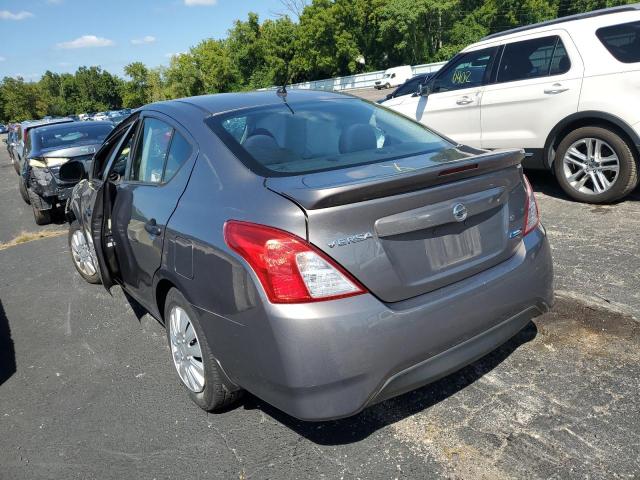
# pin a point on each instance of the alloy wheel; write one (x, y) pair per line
(82, 254)
(591, 166)
(185, 350)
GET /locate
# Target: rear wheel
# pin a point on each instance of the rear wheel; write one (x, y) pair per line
(81, 254)
(192, 357)
(23, 191)
(595, 165)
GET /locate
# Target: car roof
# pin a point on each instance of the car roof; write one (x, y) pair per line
(225, 102)
(60, 125)
(569, 18)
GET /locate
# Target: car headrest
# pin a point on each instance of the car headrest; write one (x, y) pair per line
(357, 137)
(262, 147)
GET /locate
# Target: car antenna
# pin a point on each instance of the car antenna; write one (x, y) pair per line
(282, 93)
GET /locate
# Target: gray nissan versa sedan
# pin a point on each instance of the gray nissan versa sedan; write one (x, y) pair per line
(317, 250)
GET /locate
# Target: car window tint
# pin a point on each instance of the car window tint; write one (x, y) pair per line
(527, 59)
(622, 41)
(467, 72)
(325, 135)
(410, 86)
(179, 153)
(560, 62)
(148, 162)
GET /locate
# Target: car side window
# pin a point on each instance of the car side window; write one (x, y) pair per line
(179, 152)
(119, 165)
(622, 41)
(539, 57)
(469, 71)
(151, 152)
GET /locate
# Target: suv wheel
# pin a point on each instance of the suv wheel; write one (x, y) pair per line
(23, 191)
(81, 254)
(192, 357)
(595, 165)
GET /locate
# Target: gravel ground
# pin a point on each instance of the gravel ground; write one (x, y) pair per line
(87, 389)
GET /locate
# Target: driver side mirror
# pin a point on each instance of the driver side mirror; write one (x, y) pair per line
(72, 171)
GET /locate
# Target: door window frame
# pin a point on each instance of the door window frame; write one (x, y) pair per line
(488, 73)
(498, 64)
(177, 127)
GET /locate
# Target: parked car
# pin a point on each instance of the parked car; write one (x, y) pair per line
(3, 128)
(11, 141)
(394, 77)
(100, 117)
(322, 252)
(23, 133)
(46, 149)
(566, 90)
(410, 87)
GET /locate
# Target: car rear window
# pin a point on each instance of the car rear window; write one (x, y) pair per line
(71, 135)
(286, 139)
(622, 41)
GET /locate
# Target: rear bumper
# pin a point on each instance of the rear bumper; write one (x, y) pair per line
(332, 359)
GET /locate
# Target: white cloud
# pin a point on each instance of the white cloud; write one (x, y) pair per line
(144, 40)
(7, 15)
(2, 59)
(54, 2)
(194, 3)
(86, 41)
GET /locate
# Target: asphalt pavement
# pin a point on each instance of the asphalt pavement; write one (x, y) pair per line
(87, 388)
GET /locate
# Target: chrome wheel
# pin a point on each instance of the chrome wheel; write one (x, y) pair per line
(81, 253)
(591, 166)
(185, 350)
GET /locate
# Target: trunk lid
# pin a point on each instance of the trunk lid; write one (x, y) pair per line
(413, 225)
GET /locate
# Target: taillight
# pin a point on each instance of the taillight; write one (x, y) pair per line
(290, 269)
(531, 214)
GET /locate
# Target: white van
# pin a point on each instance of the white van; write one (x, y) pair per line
(394, 77)
(566, 90)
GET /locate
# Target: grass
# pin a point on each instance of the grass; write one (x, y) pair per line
(25, 237)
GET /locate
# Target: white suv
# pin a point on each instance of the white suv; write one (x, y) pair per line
(567, 91)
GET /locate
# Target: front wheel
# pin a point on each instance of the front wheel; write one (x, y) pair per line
(192, 357)
(595, 165)
(41, 217)
(23, 191)
(81, 254)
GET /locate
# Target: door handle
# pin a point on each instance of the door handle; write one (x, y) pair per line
(464, 100)
(555, 88)
(152, 227)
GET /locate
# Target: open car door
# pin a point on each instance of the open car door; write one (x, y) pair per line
(109, 164)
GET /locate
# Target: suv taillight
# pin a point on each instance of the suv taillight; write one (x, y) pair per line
(290, 269)
(531, 213)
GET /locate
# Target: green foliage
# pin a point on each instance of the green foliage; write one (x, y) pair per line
(328, 38)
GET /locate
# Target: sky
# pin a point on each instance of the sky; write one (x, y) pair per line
(61, 35)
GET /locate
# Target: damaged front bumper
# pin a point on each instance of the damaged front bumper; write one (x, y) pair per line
(44, 183)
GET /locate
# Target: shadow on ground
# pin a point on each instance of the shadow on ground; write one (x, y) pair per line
(360, 426)
(7, 352)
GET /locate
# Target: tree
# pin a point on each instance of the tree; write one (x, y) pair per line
(136, 91)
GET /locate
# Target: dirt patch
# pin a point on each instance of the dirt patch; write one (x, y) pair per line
(24, 237)
(559, 404)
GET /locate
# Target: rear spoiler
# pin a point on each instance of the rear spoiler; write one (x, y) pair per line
(316, 198)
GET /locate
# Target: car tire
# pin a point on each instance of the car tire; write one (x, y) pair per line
(78, 248)
(612, 144)
(214, 395)
(387, 85)
(41, 217)
(23, 191)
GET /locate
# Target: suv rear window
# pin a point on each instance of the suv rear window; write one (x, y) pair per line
(622, 41)
(291, 139)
